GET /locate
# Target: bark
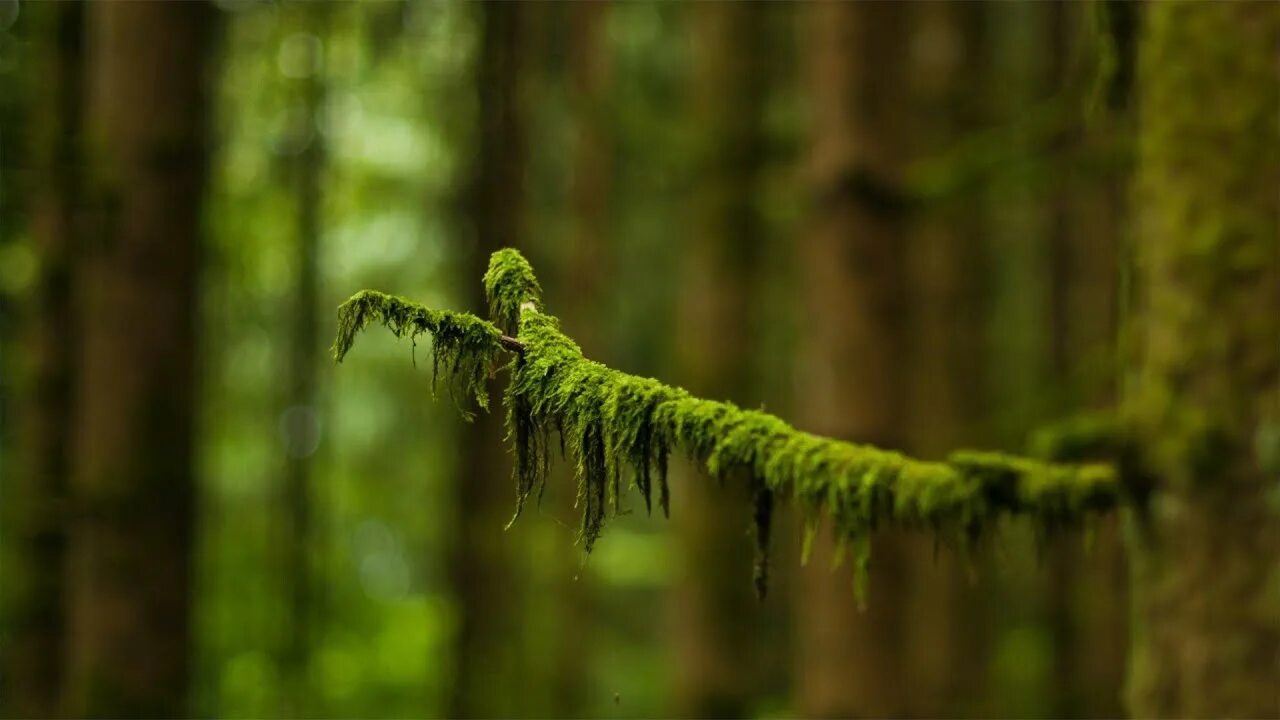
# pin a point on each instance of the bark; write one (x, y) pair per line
(715, 660)
(129, 575)
(591, 254)
(1206, 387)
(34, 657)
(945, 641)
(852, 376)
(1086, 595)
(590, 249)
(479, 566)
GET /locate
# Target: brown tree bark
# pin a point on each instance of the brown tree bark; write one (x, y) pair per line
(1085, 592)
(716, 662)
(129, 575)
(589, 187)
(583, 306)
(944, 642)
(853, 375)
(1205, 392)
(479, 566)
(34, 656)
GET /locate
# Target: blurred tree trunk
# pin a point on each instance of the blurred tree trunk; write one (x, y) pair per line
(853, 377)
(717, 662)
(589, 188)
(301, 425)
(583, 303)
(1098, 649)
(945, 643)
(1085, 595)
(1206, 390)
(34, 652)
(1062, 572)
(479, 565)
(133, 479)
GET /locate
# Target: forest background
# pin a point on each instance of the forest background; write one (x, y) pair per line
(908, 224)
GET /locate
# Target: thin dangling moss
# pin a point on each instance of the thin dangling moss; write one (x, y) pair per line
(609, 422)
(463, 347)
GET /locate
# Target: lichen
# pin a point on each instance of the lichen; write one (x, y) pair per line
(613, 424)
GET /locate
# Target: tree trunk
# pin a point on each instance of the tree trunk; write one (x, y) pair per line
(584, 311)
(131, 543)
(589, 188)
(301, 424)
(1206, 386)
(944, 644)
(1085, 591)
(852, 376)
(34, 656)
(479, 565)
(715, 660)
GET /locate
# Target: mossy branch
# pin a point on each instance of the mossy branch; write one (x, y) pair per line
(464, 347)
(610, 422)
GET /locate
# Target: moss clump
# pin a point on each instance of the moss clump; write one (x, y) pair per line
(464, 348)
(613, 424)
(509, 283)
(1090, 436)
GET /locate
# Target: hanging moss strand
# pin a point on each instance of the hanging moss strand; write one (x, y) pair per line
(463, 349)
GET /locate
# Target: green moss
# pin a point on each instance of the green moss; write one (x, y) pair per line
(1090, 436)
(612, 425)
(463, 349)
(510, 283)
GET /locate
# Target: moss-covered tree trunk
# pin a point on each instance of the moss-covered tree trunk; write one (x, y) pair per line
(37, 505)
(853, 371)
(484, 645)
(718, 336)
(1205, 390)
(130, 566)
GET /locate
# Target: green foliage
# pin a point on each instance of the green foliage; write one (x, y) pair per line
(610, 422)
